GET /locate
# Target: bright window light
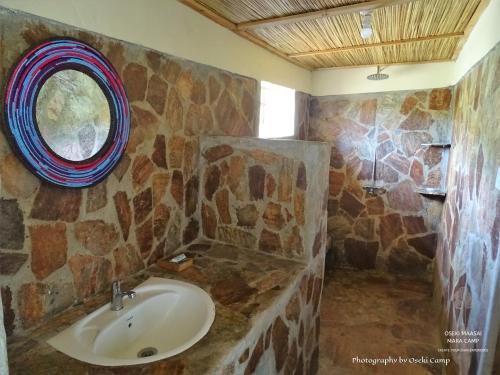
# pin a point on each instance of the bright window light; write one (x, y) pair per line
(277, 111)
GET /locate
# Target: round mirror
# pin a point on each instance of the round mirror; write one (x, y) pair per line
(66, 113)
(73, 115)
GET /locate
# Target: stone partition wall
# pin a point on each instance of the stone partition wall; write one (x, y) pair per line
(468, 264)
(271, 197)
(263, 194)
(396, 230)
(59, 246)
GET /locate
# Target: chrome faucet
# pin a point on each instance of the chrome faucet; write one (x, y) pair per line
(117, 296)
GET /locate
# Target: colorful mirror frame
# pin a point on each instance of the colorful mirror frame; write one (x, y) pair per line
(25, 82)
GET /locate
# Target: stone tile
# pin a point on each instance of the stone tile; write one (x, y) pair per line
(218, 152)
(54, 203)
(157, 93)
(414, 224)
(230, 291)
(127, 261)
(280, 342)
(405, 262)
(91, 274)
(177, 187)
(375, 206)
(409, 103)
(361, 254)
(390, 228)
(299, 207)
(368, 112)
(417, 172)
(97, 197)
(228, 118)
(222, 202)
(176, 151)
(411, 142)
(236, 236)
(403, 197)
(336, 182)
(212, 181)
(49, 248)
(171, 71)
(159, 156)
(256, 182)
(191, 231)
(159, 184)
(270, 185)
(191, 196)
(10, 263)
(365, 228)
(247, 215)
(16, 179)
(273, 216)
(199, 120)
(285, 184)
(153, 60)
(8, 312)
(123, 212)
(122, 167)
(440, 99)
(32, 305)
(417, 120)
(198, 92)
(184, 84)
(350, 204)
(270, 241)
(135, 78)
(425, 245)
(11, 225)
(161, 218)
(399, 163)
(294, 244)
(209, 221)
(144, 237)
(235, 177)
(175, 111)
(96, 236)
(143, 205)
(142, 168)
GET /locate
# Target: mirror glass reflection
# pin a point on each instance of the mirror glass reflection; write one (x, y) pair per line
(73, 115)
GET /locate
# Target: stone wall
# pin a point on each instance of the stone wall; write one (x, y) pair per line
(396, 230)
(467, 260)
(59, 246)
(257, 194)
(290, 343)
(271, 196)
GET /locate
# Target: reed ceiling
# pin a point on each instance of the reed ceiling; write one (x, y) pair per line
(318, 34)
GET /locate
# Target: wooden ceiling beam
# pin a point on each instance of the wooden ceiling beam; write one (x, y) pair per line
(217, 18)
(385, 64)
(374, 45)
(328, 12)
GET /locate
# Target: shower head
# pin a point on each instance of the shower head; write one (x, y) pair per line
(378, 76)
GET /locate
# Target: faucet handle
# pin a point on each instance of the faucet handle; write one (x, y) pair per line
(116, 287)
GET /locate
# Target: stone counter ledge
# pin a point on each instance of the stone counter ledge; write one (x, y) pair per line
(266, 307)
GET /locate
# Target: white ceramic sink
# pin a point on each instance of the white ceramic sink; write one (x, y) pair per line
(165, 318)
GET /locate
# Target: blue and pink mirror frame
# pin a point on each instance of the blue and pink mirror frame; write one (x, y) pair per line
(21, 129)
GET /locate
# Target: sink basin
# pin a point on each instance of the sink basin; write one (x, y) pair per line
(165, 318)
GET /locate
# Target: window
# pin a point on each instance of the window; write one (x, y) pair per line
(277, 111)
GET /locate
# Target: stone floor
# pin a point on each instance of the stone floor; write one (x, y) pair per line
(373, 315)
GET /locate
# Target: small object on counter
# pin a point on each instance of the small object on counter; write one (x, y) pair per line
(178, 263)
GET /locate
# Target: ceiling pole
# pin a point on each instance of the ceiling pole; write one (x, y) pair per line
(374, 45)
(328, 12)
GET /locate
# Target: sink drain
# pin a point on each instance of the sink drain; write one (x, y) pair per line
(147, 352)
